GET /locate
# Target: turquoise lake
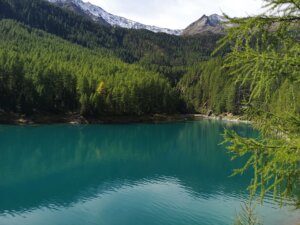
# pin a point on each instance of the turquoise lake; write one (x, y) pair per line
(144, 174)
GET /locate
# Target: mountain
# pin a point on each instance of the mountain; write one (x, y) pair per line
(75, 6)
(55, 75)
(206, 24)
(164, 53)
(61, 61)
(100, 15)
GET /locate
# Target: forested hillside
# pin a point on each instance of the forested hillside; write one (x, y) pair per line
(163, 53)
(53, 60)
(40, 72)
(88, 72)
(209, 86)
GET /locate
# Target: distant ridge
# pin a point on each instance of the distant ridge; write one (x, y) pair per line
(212, 23)
(206, 24)
(100, 15)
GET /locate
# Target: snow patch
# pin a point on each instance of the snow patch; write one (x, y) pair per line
(115, 20)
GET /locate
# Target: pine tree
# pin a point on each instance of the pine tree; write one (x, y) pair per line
(265, 53)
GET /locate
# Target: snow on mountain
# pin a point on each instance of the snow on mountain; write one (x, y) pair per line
(212, 24)
(207, 24)
(216, 19)
(96, 13)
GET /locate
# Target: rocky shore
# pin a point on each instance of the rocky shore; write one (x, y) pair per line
(224, 117)
(75, 118)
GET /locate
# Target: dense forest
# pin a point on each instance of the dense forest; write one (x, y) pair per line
(163, 53)
(264, 57)
(45, 73)
(53, 60)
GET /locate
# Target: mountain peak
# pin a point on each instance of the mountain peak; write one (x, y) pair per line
(206, 24)
(99, 14)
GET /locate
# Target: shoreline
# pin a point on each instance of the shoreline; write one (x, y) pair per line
(74, 118)
(225, 118)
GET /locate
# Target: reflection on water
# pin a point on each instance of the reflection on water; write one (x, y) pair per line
(172, 173)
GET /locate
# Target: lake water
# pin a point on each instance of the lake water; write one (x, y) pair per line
(144, 174)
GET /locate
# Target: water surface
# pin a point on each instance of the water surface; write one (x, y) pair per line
(144, 174)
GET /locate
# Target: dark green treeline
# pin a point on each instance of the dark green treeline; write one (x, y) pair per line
(40, 72)
(53, 60)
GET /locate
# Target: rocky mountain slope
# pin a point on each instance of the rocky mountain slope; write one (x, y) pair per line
(100, 15)
(212, 23)
(206, 24)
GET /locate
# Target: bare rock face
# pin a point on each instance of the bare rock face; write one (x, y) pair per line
(206, 24)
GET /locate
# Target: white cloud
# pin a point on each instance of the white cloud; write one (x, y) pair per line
(177, 13)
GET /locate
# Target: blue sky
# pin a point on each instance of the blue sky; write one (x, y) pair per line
(177, 14)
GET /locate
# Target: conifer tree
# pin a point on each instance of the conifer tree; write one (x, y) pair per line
(265, 53)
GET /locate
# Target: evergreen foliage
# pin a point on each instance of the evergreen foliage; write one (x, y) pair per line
(265, 52)
(162, 53)
(206, 87)
(248, 216)
(40, 72)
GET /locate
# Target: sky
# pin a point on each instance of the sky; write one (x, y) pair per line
(177, 14)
